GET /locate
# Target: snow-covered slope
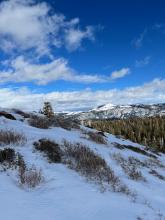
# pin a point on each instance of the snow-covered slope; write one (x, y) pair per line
(122, 111)
(66, 195)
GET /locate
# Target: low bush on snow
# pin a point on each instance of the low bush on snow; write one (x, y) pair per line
(89, 164)
(22, 113)
(7, 157)
(30, 177)
(80, 158)
(130, 166)
(94, 136)
(51, 150)
(39, 122)
(55, 121)
(156, 174)
(66, 123)
(134, 149)
(11, 137)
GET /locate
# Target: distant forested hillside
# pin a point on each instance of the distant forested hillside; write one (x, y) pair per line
(148, 131)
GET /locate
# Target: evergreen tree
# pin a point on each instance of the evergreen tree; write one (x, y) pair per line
(48, 110)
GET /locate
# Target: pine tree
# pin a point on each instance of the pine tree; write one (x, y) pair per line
(48, 110)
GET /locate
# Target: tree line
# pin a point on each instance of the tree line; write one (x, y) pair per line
(147, 131)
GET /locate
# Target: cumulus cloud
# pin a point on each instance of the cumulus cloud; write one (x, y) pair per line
(143, 62)
(74, 38)
(29, 31)
(26, 25)
(151, 92)
(22, 70)
(120, 73)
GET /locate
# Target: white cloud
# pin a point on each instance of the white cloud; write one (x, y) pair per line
(74, 38)
(144, 62)
(138, 42)
(26, 25)
(120, 73)
(151, 92)
(22, 70)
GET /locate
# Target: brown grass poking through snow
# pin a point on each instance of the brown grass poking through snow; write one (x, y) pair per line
(55, 121)
(30, 177)
(39, 122)
(94, 136)
(91, 165)
(11, 137)
(50, 149)
(130, 166)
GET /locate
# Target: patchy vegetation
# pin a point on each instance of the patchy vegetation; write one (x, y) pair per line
(7, 115)
(50, 149)
(97, 137)
(11, 137)
(158, 175)
(44, 122)
(7, 156)
(130, 166)
(22, 113)
(135, 149)
(80, 158)
(66, 123)
(30, 177)
(39, 122)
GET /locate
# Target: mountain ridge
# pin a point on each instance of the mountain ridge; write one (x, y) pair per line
(109, 111)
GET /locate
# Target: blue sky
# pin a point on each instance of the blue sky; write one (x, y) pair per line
(79, 54)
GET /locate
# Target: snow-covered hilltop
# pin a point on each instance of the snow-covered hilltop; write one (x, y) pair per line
(85, 174)
(110, 111)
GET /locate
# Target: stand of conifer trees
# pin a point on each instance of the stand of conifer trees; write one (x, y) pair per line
(147, 131)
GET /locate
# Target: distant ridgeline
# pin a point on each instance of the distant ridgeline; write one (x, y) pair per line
(149, 131)
(121, 112)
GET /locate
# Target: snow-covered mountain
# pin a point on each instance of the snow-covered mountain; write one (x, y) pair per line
(110, 111)
(66, 193)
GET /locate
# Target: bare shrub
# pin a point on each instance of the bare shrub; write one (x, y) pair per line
(30, 177)
(54, 121)
(97, 137)
(7, 158)
(153, 163)
(7, 115)
(130, 166)
(22, 113)
(80, 158)
(66, 123)
(50, 149)
(11, 137)
(7, 154)
(135, 149)
(158, 175)
(39, 122)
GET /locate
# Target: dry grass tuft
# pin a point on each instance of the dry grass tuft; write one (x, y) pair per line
(11, 137)
(97, 137)
(39, 122)
(30, 177)
(89, 164)
(130, 166)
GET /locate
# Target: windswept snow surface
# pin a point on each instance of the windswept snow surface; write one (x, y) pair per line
(66, 195)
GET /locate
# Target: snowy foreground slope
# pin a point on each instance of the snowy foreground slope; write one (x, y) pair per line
(66, 195)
